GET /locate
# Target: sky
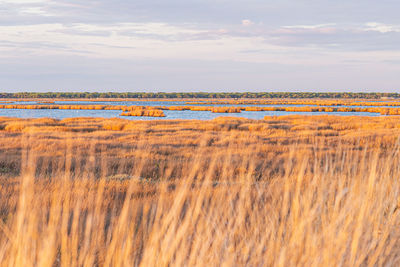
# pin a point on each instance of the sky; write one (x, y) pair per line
(200, 45)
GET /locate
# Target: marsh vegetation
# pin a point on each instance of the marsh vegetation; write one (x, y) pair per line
(156, 108)
(283, 191)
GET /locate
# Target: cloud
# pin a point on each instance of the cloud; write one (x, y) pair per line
(122, 40)
(39, 11)
(21, 2)
(247, 22)
(295, 34)
(381, 27)
(310, 27)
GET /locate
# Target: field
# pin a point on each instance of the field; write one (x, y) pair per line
(282, 191)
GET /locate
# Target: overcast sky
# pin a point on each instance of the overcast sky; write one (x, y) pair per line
(200, 45)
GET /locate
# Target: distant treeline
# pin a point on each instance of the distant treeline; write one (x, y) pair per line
(200, 95)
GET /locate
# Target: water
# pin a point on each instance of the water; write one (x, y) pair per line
(170, 114)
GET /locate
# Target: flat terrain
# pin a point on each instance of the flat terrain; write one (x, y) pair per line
(201, 109)
(121, 141)
(288, 190)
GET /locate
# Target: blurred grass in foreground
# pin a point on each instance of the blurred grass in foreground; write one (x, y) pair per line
(221, 193)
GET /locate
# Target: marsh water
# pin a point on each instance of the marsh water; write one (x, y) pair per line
(169, 114)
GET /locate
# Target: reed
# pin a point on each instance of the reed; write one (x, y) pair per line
(156, 111)
(282, 191)
(145, 112)
(226, 110)
(315, 102)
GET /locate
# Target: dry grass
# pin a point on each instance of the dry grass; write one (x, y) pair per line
(156, 111)
(380, 110)
(144, 112)
(128, 110)
(287, 191)
(317, 101)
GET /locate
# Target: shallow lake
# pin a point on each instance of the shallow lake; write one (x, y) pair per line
(169, 114)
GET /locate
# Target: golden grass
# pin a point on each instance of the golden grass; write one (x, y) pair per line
(128, 110)
(318, 102)
(144, 112)
(156, 111)
(226, 101)
(284, 191)
(226, 110)
(46, 101)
